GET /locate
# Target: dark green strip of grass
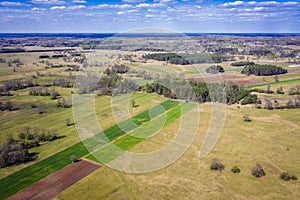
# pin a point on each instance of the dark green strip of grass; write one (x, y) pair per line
(21, 179)
(115, 131)
(290, 81)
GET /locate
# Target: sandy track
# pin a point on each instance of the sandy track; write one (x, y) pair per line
(55, 183)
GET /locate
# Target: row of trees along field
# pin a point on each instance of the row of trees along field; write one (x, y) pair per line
(263, 70)
(201, 91)
(15, 151)
(186, 59)
(13, 85)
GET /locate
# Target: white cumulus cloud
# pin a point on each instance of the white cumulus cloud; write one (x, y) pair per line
(11, 3)
(50, 2)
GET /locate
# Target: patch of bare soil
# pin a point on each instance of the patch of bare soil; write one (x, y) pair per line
(55, 183)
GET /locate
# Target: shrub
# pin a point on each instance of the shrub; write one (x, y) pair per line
(285, 176)
(216, 165)
(294, 178)
(73, 158)
(258, 171)
(247, 118)
(235, 169)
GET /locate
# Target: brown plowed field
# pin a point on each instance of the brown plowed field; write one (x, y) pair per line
(55, 183)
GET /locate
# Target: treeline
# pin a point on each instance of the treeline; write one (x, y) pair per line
(186, 59)
(263, 70)
(201, 91)
(18, 85)
(53, 56)
(44, 92)
(110, 83)
(91, 82)
(290, 104)
(214, 69)
(260, 52)
(8, 106)
(242, 63)
(15, 151)
(279, 90)
(33, 137)
(171, 58)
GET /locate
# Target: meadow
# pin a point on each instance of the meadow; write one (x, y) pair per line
(271, 138)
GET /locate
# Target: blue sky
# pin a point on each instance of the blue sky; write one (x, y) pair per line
(125, 15)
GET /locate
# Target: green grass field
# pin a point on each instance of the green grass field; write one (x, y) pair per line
(283, 82)
(271, 139)
(128, 141)
(59, 160)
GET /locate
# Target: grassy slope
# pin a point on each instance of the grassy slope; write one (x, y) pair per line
(57, 161)
(264, 140)
(108, 153)
(55, 117)
(283, 82)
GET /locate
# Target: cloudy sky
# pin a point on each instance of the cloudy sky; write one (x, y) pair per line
(124, 15)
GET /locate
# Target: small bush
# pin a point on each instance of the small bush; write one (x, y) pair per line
(73, 158)
(258, 171)
(235, 169)
(216, 165)
(285, 176)
(294, 178)
(247, 118)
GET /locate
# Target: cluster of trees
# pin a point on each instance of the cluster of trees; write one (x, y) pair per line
(104, 85)
(214, 69)
(12, 152)
(73, 68)
(290, 104)
(257, 171)
(17, 85)
(294, 91)
(125, 86)
(38, 91)
(62, 82)
(263, 70)
(242, 63)
(4, 93)
(201, 91)
(58, 56)
(8, 106)
(63, 103)
(15, 151)
(185, 59)
(43, 56)
(120, 68)
(33, 137)
(171, 58)
(14, 85)
(260, 52)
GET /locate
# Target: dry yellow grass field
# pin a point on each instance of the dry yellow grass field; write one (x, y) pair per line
(271, 139)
